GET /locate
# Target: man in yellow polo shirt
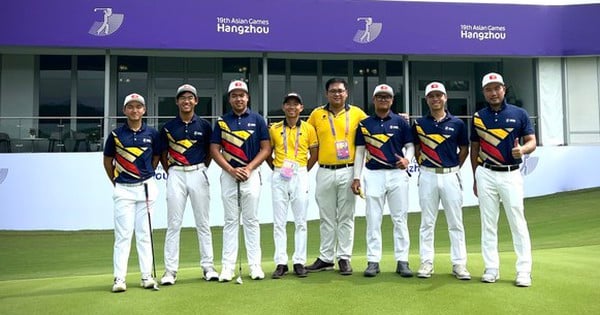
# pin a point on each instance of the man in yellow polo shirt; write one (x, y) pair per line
(295, 148)
(335, 123)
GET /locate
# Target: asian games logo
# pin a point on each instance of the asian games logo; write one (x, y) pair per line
(529, 164)
(369, 33)
(3, 174)
(110, 22)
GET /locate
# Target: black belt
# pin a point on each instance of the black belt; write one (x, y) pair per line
(500, 168)
(335, 166)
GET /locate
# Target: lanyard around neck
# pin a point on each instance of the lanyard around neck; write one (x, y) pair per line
(285, 142)
(329, 114)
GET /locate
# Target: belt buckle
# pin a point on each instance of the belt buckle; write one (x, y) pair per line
(190, 168)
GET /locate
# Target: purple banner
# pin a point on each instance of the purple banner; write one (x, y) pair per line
(334, 26)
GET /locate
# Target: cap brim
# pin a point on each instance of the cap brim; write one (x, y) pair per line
(287, 98)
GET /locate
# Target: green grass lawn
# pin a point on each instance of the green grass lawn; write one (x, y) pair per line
(50, 272)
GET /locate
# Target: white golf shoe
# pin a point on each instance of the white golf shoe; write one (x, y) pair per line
(425, 270)
(256, 272)
(461, 272)
(169, 277)
(490, 276)
(119, 285)
(227, 274)
(148, 283)
(210, 274)
(523, 279)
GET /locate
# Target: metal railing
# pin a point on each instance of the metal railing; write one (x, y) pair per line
(82, 134)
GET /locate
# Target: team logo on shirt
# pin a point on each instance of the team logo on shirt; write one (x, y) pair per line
(251, 125)
(197, 133)
(511, 120)
(147, 140)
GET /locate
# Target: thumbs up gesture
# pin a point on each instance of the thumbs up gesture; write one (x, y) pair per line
(517, 151)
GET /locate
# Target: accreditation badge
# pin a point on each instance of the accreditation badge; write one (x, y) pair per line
(342, 150)
(288, 169)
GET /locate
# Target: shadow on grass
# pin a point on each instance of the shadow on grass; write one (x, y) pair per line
(63, 292)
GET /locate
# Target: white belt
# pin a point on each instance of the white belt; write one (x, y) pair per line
(440, 170)
(188, 168)
(135, 184)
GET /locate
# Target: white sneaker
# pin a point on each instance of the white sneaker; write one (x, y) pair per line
(227, 274)
(490, 275)
(148, 283)
(425, 270)
(210, 274)
(119, 285)
(256, 272)
(461, 272)
(169, 277)
(523, 279)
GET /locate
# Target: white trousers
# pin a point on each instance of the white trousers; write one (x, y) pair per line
(292, 193)
(131, 214)
(180, 185)
(390, 185)
(493, 187)
(446, 188)
(250, 192)
(336, 209)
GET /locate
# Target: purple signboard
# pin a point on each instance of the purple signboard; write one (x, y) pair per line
(314, 26)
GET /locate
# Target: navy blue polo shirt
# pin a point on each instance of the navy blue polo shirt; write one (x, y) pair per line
(496, 132)
(240, 136)
(383, 138)
(133, 152)
(439, 140)
(186, 143)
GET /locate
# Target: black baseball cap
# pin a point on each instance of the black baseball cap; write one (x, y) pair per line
(293, 95)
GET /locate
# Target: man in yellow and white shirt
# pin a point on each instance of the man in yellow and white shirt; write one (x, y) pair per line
(336, 124)
(295, 149)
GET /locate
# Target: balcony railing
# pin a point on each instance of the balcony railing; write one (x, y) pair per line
(85, 134)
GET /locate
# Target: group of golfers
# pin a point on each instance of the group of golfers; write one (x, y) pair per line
(358, 155)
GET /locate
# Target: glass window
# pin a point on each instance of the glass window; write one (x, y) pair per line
(169, 64)
(334, 68)
(90, 96)
(276, 87)
(90, 86)
(303, 80)
(202, 65)
(234, 69)
(55, 94)
(132, 77)
(366, 77)
(395, 79)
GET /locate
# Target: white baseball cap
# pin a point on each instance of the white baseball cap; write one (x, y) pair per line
(237, 85)
(385, 89)
(491, 77)
(435, 86)
(134, 97)
(186, 88)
